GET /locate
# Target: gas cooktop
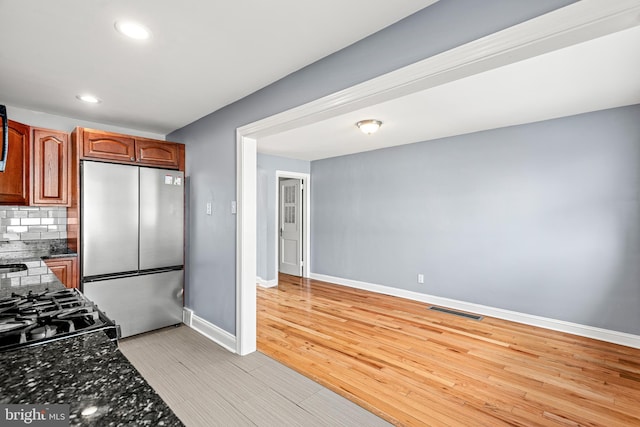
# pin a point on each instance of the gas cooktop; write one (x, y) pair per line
(37, 318)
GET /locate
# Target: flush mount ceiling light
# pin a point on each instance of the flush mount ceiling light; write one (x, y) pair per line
(369, 126)
(133, 30)
(89, 99)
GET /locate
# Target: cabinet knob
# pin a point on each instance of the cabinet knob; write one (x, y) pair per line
(133, 158)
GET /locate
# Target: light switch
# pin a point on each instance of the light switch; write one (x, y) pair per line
(234, 207)
(209, 208)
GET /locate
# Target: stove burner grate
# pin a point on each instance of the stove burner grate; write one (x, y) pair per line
(36, 318)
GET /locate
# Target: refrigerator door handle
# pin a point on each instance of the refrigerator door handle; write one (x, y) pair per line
(160, 270)
(99, 278)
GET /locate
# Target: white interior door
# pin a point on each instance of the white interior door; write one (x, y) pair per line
(291, 227)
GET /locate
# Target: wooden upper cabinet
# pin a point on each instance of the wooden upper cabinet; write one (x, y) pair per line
(51, 184)
(157, 153)
(14, 181)
(108, 146)
(129, 149)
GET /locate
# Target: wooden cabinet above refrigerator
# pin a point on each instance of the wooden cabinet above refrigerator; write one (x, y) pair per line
(118, 148)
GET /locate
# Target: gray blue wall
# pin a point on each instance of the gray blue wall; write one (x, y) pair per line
(267, 211)
(211, 141)
(542, 218)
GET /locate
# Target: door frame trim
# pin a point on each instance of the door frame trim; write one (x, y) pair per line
(305, 178)
(246, 244)
(567, 26)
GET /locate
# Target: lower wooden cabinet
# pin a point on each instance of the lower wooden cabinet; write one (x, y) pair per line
(65, 270)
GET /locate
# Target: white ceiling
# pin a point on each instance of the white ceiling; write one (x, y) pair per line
(203, 55)
(594, 75)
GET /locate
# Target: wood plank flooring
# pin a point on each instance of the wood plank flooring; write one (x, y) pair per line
(206, 385)
(416, 367)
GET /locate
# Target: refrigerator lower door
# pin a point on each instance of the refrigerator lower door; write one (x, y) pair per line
(109, 218)
(161, 218)
(140, 303)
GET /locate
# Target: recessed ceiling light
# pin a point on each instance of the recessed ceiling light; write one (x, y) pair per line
(89, 99)
(369, 126)
(133, 30)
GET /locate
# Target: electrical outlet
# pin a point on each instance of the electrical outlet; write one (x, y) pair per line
(209, 210)
(420, 278)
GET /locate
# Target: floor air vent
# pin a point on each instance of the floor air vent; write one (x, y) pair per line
(456, 313)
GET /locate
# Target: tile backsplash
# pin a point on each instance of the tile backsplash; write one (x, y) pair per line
(37, 272)
(32, 223)
(30, 232)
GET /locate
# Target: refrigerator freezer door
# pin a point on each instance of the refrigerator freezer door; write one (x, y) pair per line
(140, 303)
(161, 218)
(109, 218)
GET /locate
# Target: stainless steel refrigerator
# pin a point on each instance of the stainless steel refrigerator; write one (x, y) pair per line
(132, 233)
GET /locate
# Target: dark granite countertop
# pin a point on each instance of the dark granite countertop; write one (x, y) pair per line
(30, 253)
(53, 282)
(60, 253)
(34, 250)
(6, 291)
(81, 371)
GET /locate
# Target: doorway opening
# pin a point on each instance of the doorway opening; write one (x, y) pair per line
(292, 242)
(564, 27)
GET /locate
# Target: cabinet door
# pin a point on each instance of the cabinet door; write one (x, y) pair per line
(14, 181)
(65, 270)
(51, 183)
(157, 153)
(109, 147)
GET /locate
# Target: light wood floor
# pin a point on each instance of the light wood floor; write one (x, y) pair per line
(417, 367)
(206, 385)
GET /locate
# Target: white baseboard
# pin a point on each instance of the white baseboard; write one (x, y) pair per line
(266, 283)
(187, 315)
(209, 330)
(615, 337)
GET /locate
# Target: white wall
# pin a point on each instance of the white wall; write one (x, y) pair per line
(67, 124)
